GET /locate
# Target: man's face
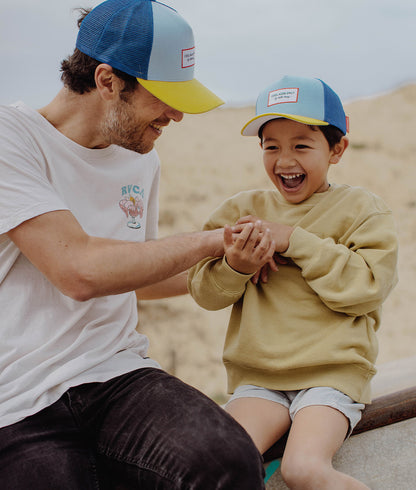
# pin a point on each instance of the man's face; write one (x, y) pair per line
(136, 120)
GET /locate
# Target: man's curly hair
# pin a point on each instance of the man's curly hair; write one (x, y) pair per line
(78, 70)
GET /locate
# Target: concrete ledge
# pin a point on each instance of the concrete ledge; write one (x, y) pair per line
(382, 450)
(383, 459)
(385, 410)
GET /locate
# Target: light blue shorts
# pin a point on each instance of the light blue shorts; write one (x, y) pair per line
(296, 400)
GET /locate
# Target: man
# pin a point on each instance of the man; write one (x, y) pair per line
(81, 404)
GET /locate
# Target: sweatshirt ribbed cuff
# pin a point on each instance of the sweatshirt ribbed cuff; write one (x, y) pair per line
(229, 279)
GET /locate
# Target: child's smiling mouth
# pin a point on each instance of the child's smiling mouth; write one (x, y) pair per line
(291, 181)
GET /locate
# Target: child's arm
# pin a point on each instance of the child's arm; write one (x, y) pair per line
(353, 277)
(218, 283)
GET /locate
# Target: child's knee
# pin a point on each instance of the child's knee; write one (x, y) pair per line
(299, 472)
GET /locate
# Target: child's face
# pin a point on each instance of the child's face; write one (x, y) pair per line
(296, 158)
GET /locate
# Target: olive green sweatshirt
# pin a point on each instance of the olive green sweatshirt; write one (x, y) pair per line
(314, 322)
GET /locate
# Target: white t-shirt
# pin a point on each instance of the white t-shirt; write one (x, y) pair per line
(48, 341)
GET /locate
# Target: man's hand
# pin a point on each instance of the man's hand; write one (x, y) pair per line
(279, 233)
(250, 249)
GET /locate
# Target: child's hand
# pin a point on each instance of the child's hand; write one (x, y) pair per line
(279, 233)
(250, 249)
(263, 273)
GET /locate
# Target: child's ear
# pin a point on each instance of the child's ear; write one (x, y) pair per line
(338, 150)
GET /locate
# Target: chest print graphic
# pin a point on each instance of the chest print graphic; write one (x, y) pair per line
(132, 204)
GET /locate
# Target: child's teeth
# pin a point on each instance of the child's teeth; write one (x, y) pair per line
(291, 176)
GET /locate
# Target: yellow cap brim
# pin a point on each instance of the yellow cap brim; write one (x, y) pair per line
(190, 96)
(253, 126)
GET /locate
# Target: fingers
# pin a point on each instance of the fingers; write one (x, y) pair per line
(279, 259)
(228, 236)
(264, 274)
(251, 239)
(250, 247)
(266, 246)
(255, 278)
(247, 238)
(247, 219)
(273, 265)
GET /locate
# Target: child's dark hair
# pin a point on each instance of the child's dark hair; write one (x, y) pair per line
(332, 134)
(78, 70)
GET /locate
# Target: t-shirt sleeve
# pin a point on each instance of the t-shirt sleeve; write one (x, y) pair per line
(26, 190)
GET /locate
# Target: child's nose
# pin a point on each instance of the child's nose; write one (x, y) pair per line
(286, 159)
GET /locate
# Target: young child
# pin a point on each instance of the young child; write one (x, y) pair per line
(301, 343)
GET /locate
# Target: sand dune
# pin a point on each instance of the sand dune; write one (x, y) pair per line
(205, 160)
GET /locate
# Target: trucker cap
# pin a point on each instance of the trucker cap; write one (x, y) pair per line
(152, 42)
(306, 100)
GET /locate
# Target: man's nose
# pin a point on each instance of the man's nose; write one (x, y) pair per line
(173, 114)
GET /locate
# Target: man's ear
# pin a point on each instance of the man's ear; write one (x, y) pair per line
(108, 84)
(338, 150)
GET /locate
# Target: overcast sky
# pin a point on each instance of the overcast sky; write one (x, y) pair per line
(359, 47)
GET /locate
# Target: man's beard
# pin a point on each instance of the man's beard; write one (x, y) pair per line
(119, 128)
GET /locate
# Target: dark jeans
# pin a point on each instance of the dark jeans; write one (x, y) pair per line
(142, 430)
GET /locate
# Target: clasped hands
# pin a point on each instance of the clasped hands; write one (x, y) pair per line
(253, 246)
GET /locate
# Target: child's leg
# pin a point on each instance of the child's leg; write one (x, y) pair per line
(316, 434)
(266, 421)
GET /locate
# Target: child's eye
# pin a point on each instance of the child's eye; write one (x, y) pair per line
(302, 147)
(270, 147)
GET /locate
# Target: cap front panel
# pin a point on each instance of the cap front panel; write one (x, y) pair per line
(293, 97)
(172, 57)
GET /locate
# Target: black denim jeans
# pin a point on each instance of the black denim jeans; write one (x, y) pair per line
(142, 430)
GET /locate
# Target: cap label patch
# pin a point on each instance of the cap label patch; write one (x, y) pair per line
(188, 57)
(282, 95)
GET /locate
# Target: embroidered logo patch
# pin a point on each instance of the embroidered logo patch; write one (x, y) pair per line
(283, 95)
(188, 57)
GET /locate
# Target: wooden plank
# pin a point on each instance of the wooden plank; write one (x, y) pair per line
(384, 410)
(388, 409)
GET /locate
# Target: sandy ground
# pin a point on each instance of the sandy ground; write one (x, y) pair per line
(205, 160)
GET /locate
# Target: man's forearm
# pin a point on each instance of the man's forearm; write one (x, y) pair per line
(173, 286)
(132, 266)
(84, 267)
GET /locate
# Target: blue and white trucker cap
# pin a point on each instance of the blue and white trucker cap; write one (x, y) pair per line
(305, 100)
(152, 42)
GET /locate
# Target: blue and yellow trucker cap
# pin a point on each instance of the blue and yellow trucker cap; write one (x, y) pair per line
(305, 100)
(152, 42)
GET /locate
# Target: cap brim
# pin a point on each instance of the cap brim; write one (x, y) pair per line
(253, 126)
(190, 96)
